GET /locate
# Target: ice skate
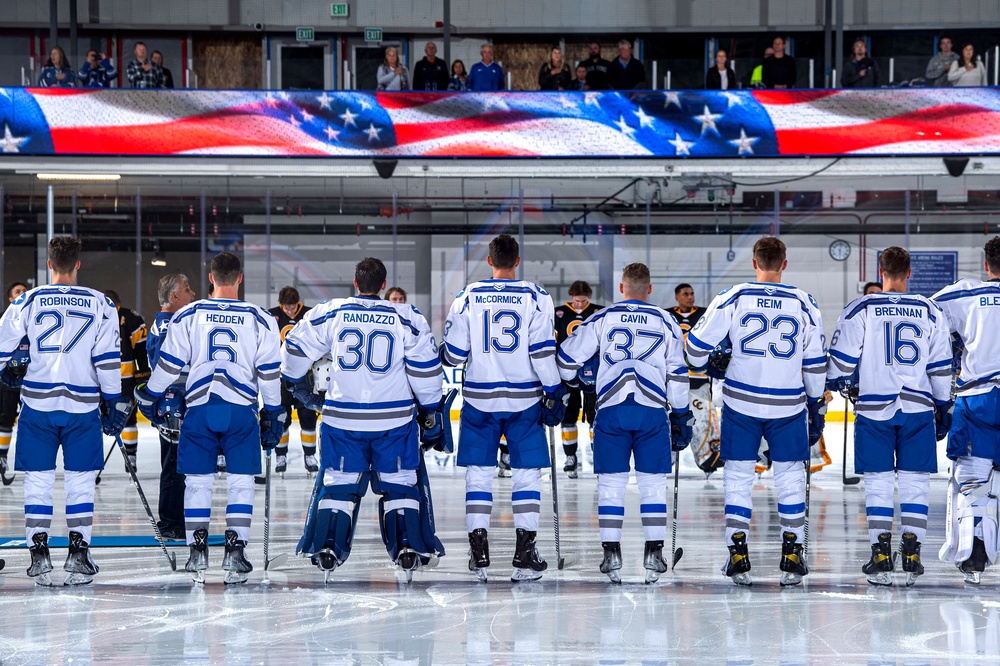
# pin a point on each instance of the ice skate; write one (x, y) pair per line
(220, 465)
(880, 566)
(79, 564)
(327, 562)
(4, 468)
(408, 561)
(909, 554)
(503, 467)
(281, 465)
(737, 566)
(133, 463)
(479, 553)
(652, 560)
(976, 564)
(198, 559)
(572, 466)
(793, 561)
(41, 565)
(311, 463)
(611, 565)
(235, 563)
(528, 564)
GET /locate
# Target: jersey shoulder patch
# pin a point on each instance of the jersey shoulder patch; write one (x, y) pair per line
(813, 301)
(730, 288)
(20, 299)
(108, 301)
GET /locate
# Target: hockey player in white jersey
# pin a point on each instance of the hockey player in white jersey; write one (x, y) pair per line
(71, 391)
(773, 389)
(898, 344)
(385, 370)
(231, 349)
(972, 310)
(501, 329)
(641, 371)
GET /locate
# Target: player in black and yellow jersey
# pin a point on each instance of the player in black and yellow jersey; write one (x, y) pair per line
(289, 312)
(567, 317)
(135, 365)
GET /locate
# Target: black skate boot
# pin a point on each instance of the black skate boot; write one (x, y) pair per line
(652, 559)
(976, 564)
(198, 558)
(880, 565)
(79, 564)
(737, 566)
(503, 467)
(528, 564)
(479, 553)
(220, 465)
(793, 560)
(611, 565)
(235, 563)
(909, 554)
(4, 467)
(41, 565)
(327, 562)
(281, 464)
(311, 463)
(572, 466)
(408, 561)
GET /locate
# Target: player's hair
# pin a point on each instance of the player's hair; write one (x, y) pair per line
(992, 248)
(168, 285)
(681, 287)
(869, 285)
(635, 278)
(769, 253)
(894, 262)
(225, 269)
(370, 275)
(64, 252)
(504, 252)
(395, 290)
(113, 297)
(580, 288)
(14, 285)
(289, 296)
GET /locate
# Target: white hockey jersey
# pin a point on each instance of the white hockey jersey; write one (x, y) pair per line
(972, 310)
(901, 346)
(231, 348)
(778, 347)
(383, 355)
(502, 331)
(75, 347)
(641, 355)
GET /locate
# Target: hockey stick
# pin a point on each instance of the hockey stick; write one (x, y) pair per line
(848, 480)
(678, 553)
(560, 562)
(142, 496)
(805, 521)
(279, 559)
(6, 480)
(97, 481)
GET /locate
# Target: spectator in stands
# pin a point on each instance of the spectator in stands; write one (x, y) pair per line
(554, 75)
(967, 71)
(168, 77)
(779, 70)
(872, 288)
(97, 71)
(937, 68)
(459, 78)
(580, 82)
(860, 70)
(757, 77)
(431, 73)
(395, 295)
(720, 77)
(57, 73)
(391, 75)
(626, 73)
(142, 72)
(597, 68)
(486, 76)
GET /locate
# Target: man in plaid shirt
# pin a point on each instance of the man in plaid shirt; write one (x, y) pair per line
(141, 73)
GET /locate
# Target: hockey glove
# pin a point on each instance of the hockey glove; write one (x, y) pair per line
(147, 405)
(302, 390)
(719, 358)
(114, 414)
(816, 410)
(554, 406)
(586, 376)
(272, 427)
(13, 373)
(681, 429)
(435, 425)
(942, 418)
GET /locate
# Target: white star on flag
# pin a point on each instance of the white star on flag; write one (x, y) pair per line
(592, 98)
(294, 121)
(644, 120)
(372, 132)
(306, 116)
(331, 134)
(623, 126)
(566, 102)
(9, 142)
(670, 97)
(744, 143)
(348, 117)
(681, 147)
(365, 104)
(270, 99)
(707, 120)
(733, 98)
(324, 100)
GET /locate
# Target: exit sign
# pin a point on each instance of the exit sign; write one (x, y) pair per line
(373, 34)
(339, 10)
(305, 34)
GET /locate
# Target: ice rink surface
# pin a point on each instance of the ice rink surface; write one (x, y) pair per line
(138, 612)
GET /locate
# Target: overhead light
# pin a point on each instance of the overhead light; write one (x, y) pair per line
(79, 176)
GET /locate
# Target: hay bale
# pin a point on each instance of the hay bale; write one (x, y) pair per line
(228, 62)
(523, 60)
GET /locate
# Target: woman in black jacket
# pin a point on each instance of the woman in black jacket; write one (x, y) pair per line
(720, 77)
(554, 74)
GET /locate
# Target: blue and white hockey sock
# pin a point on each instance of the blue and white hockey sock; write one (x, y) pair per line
(197, 503)
(737, 480)
(611, 505)
(239, 509)
(478, 496)
(914, 490)
(38, 502)
(80, 502)
(653, 505)
(879, 501)
(526, 498)
(790, 482)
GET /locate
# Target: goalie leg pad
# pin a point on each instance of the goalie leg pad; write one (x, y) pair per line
(972, 509)
(336, 512)
(402, 521)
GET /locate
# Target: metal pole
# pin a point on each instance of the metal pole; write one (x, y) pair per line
(267, 256)
(50, 214)
(53, 24)
(907, 220)
(204, 246)
(73, 51)
(395, 243)
(138, 250)
(649, 203)
(2, 280)
(520, 231)
(777, 214)
(446, 47)
(839, 44)
(828, 43)
(73, 203)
